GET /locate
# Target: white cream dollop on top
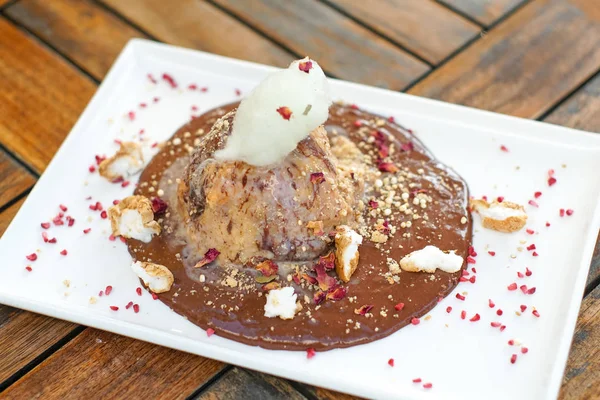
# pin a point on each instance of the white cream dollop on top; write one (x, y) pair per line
(281, 303)
(429, 258)
(261, 135)
(500, 212)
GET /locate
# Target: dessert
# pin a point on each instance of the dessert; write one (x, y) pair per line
(285, 221)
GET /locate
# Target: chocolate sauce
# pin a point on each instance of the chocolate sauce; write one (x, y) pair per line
(238, 314)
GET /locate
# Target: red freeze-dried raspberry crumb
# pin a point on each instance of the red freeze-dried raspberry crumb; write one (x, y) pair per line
(154, 296)
(535, 254)
(530, 231)
(305, 66)
(210, 332)
(415, 321)
(417, 380)
(531, 247)
(561, 212)
(136, 308)
(536, 313)
(523, 288)
(504, 148)
(64, 252)
(170, 80)
(471, 260)
(463, 314)
(86, 231)
(28, 268)
(472, 279)
(512, 286)
(428, 385)
(391, 362)
(500, 199)
(448, 309)
(131, 116)
(537, 194)
(101, 293)
(238, 92)
(533, 203)
(491, 303)
(495, 324)
(547, 223)
(551, 181)
(399, 306)
(31, 257)
(502, 328)
(138, 291)
(531, 290)
(523, 307)
(475, 318)
(513, 359)
(114, 308)
(285, 113)
(499, 312)
(103, 215)
(528, 272)
(524, 350)
(569, 212)
(511, 342)
(92, 169)
(63, 207)
(128, 306)
(112, 238)
(492, 253)
(460, 296)
(310, 353)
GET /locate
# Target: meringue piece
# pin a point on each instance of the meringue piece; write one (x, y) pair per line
(280, 112)
(503, 217)
(133, 218)
(429, 259)
(281, 303)
(127, 161)
(156, 277)
(346, 251)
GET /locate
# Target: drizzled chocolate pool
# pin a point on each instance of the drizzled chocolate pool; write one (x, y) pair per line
(363, 171)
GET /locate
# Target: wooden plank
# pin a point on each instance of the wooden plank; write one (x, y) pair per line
(4, 2)
(244, 384)
(326, 394)
(521, 67)
(80, 29)
(582, 376)
(107, 366)
(14, 179)
(342, 47)
(7, 215)
(403, 21)
(199, 25)
(41, 97)
(25, 336)
(486, 12)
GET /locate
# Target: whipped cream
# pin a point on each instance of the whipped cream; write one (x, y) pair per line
(429, 259)
(281, 111)
(281, 303)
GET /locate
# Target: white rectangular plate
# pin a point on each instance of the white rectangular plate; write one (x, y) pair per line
(463, 359)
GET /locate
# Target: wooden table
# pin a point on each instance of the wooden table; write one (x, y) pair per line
(536, 59)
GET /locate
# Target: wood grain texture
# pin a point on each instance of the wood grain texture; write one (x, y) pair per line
(7, 215)
(199, 25)
(107, 366)
(25, 336)
(80, 29)
(524, 65)
(582, 377)
(242, 384)
(41, 97)
(326, 394)
(14, 179)
(342, 47)
(3, 2)
(424, 27)
(486, 12)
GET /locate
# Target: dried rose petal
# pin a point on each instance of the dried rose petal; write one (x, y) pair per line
(327, 261)
(387, 167)
(210, 256)
(373, 204)
(319, 297)
(336, 293)
(305, 66)
(383, 151)
(325, 281)
(271, 286)
(285, 113)
(267, 268)
(296, 278)
(408, 146)
(310, 279)
(364, 309)
(310, 353)
(317, 177)
(159, 206)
